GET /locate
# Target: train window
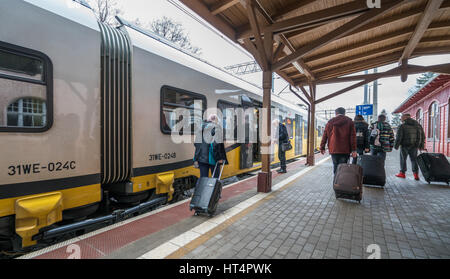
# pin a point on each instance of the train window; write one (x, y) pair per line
(21, 66)
(26, 87)
(173, 98)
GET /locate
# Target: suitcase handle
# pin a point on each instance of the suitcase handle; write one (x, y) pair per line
(215, 167)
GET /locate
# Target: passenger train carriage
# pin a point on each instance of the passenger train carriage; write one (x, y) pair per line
(86, 116)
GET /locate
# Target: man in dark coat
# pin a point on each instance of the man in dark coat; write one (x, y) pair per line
(410, 138)
(283, 137)
(341, 137)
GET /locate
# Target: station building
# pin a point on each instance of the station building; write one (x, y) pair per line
(430, 106)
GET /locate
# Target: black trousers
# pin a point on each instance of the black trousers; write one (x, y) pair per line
(339, 159)
(412, 153)
(282, 158)
(204, 170)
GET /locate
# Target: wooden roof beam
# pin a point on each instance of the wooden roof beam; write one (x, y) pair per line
(299, 64)
(386, 37)
(331, 76)
(257, 33)
(351, 87)
(393, 47)
(222, 6)
(310, 20)
(376, 24)
(339, 32)
(410, 69)
(288, 49)
(425, 20)
(318, 17)
(291, 8)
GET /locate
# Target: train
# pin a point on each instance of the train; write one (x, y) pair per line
(86, 116)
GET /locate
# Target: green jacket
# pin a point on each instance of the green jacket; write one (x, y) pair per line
(410, 134)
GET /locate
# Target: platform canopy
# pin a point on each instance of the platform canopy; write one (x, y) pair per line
(320, 40)
(311, 42)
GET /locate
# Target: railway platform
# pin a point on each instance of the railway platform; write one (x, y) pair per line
(299, 219)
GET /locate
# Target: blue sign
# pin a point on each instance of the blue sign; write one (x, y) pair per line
(364, 110)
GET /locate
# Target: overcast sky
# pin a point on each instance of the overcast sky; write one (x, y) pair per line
(218, 51)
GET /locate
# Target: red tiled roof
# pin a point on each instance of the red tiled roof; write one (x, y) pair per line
(423, 92)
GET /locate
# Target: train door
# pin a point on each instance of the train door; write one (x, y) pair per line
(298, 135)
(247, 154)
(257, 145)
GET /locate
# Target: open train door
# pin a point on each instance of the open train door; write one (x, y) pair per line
(246, 155)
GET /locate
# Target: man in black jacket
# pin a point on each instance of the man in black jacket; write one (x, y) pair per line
(410, 137)
(283, 137)
(362, 136)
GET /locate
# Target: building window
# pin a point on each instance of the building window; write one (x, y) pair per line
(27, 112)
(173, 98)
(448, 119)
(26, 84)
(419, 116)
(433, 121)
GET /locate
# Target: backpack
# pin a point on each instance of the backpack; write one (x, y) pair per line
(375, 137)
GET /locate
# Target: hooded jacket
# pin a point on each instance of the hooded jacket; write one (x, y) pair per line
(362, 134)
(410, 134)
(340, 134)
(283, 135)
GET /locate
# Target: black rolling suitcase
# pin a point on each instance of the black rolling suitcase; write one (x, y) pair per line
(435, 167)
(348, 182)
(373, 170)
(207, 194)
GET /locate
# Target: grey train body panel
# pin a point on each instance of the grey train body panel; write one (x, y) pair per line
(43, 26)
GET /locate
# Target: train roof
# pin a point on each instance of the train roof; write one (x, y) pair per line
(80, 12)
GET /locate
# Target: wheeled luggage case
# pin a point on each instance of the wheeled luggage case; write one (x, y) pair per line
(373, 170)
(207, 194)
(435, 167)
(348, 182)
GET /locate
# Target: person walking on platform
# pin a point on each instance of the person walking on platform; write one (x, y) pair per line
(381, 137)
(207, 154)
(362, 136)
(340, 135)
(281, 138)
(410, 138)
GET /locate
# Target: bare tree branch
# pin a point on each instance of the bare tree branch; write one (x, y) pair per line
(174, 32)
(106, 10)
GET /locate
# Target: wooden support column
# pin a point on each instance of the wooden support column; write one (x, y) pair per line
(310, 160)
(265, 175)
